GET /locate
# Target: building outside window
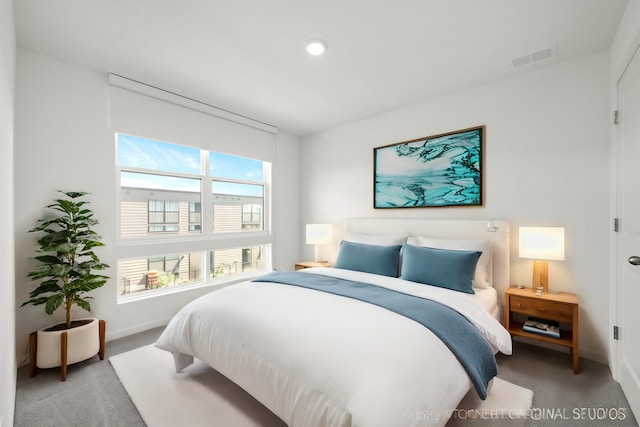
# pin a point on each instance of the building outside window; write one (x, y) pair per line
(182, 209)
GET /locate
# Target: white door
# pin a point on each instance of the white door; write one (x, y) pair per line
(628, 237)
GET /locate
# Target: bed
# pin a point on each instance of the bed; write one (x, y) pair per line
(356, 345)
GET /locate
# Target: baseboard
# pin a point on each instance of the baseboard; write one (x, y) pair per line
(583, 353)
(122, 333)
(596, 357)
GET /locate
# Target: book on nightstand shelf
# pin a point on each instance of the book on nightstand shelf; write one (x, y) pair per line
(542, 327)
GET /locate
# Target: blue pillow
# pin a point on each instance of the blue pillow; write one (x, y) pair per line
(374, 259)
(444, 268)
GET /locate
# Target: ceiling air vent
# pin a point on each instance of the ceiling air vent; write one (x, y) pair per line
(522, 61)
(534, 57)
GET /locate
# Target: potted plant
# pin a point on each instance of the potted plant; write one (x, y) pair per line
(66, 271)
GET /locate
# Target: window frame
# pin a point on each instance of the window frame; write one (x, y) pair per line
(161, 244)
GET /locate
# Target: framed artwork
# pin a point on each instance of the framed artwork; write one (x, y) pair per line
(439, 170)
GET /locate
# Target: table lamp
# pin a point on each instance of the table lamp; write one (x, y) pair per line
(319, 234)
(541, 244)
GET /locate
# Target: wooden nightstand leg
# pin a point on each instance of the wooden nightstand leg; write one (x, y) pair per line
(575, 331)
(574, 356)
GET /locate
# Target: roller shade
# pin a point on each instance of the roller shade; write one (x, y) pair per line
(141, 110)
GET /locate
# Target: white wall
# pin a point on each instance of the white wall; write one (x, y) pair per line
(7, 292)
(546, 164)
(63, 142)
(286, 218)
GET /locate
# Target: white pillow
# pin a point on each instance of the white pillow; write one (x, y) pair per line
(376, 239)
(481, 278)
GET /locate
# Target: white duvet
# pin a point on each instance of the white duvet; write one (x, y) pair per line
(321, 360)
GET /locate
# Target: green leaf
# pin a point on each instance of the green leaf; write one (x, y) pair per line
(51, 240)
(87, 283)
(83, 303)
(45, 287)
(49, 259)
(60, 270)
(95, 283)
(74, 194)
(67, 206)
(35, 301)
(53, 302)
(90, 244)
(42, 271)
(66, 248)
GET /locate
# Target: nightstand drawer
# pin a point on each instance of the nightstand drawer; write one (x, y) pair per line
(542, 308)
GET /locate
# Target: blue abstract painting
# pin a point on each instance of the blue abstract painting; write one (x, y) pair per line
(440, 170)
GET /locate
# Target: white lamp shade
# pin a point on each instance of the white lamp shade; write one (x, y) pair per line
(543, 243)
(319, 234)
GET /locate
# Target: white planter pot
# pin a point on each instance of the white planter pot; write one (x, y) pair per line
(83, 342)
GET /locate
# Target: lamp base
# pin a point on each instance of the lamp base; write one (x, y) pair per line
(317, 255)
(541, 275)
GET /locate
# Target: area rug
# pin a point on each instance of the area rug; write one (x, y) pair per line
(200, 396)
(506, 404)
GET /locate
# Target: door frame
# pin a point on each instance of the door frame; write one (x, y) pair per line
(615, 162)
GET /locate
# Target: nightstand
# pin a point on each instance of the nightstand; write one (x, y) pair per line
(561, 307)
(311, 264)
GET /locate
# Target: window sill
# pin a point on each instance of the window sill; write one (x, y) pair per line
(214, 284)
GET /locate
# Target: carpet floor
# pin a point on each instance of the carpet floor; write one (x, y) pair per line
(93, 395)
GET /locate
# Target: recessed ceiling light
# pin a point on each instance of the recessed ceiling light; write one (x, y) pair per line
(316, 47)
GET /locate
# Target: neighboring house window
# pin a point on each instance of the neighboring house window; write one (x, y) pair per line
(165, 263)
(252, 259)
(251, 216)
(182, 209)
(163, 216)
(194, 216)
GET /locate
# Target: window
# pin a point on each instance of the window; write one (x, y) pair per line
(232, 261)
(163, 216)
(194, 216)
(156, 205)
(157, 273)
(182, 209)
(165, 263)
(237, 193)
(251, 216)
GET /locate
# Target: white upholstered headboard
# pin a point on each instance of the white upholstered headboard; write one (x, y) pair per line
(496, 231)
